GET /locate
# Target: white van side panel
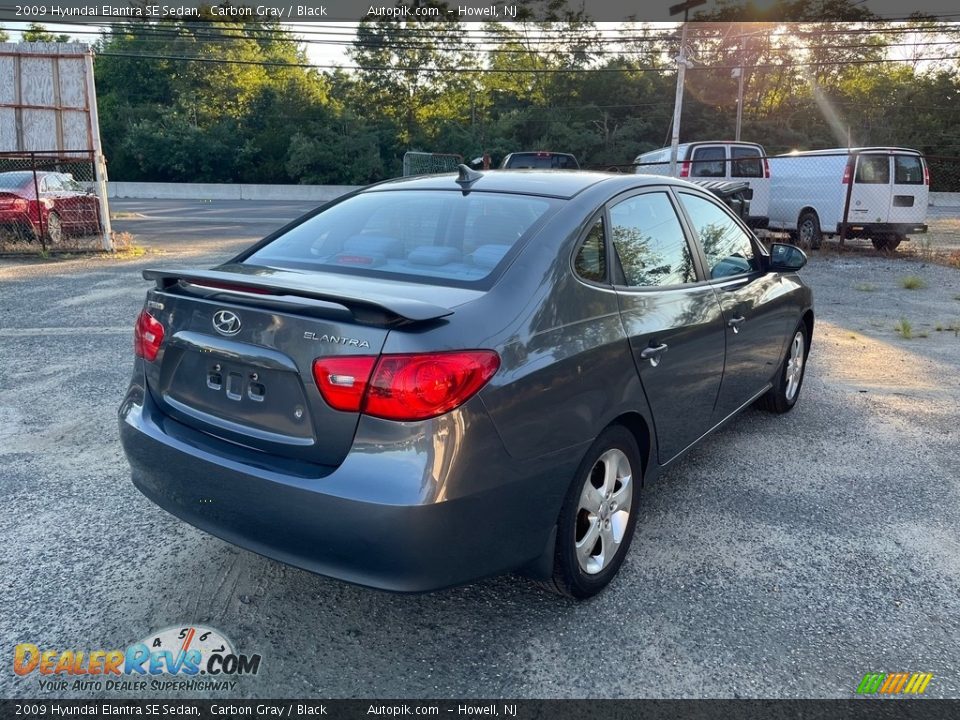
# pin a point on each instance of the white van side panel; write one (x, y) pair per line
(807, 181)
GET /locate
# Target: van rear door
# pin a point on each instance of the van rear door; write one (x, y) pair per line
(870, 197)
(910, 189)
(746, 165)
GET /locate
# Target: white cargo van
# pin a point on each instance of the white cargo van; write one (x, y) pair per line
(717, 160)
(888, 198)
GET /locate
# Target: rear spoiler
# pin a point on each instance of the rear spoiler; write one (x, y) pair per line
(370, 307)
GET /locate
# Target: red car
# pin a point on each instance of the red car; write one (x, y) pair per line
(64, 207)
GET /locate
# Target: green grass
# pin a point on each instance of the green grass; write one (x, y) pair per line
(904, 328)
(912, 282)
(864, 287)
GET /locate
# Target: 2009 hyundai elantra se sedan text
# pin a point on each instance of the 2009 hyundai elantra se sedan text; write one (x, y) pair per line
(442, 378)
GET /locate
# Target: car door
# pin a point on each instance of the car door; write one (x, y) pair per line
(755, 304)
(910, 190)
(670, 314)
(870, 196)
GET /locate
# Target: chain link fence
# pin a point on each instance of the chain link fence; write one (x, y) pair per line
(425, 163)
(890, 199)
(49, 203)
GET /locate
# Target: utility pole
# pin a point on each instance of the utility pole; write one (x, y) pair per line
(681, 71)
(740, 88)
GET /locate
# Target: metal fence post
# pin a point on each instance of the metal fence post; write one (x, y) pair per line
(852, 164)
(36, 191)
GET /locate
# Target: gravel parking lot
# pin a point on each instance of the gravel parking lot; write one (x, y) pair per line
(785, 557)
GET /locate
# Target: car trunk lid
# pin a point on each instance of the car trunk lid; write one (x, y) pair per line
(238, 353)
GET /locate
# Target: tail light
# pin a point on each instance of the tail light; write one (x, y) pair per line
(147, 336)
(766, 168)
(404, 387)
(685, 169)
(926, 174)
(14, 203)
(847, 171)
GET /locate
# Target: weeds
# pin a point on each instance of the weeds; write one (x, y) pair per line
(904, 328)
(913, 282)
(864, 287)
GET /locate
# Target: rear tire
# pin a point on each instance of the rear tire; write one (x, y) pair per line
(888, 243)
(598, 517)
(786, 390)
(808, 230)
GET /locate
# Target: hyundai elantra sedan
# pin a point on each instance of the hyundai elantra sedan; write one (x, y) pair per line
(437, 379)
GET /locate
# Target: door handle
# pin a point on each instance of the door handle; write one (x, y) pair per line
(735, 323)
(653, 353)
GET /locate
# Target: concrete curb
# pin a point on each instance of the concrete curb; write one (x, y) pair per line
(225, 191)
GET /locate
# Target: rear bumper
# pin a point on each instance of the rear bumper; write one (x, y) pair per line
(401, 513)
(869, 230)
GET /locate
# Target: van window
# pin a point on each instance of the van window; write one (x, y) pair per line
(745, 162)
(708, 162)
(873, 170)
(649, 241)
(907, 170)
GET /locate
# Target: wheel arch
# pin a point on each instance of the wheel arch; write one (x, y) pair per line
(808, 323)
(639, 428)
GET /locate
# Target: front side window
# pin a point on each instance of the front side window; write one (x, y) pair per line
(907, 170)
(709, 162)
(726, 245)
(441, 235)
(745, 162)
(873, 170)
(649, 242)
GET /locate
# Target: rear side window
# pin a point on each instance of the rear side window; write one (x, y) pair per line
(726, 245)
(429, 235)
(709, 162)
(745, 162)
(591, 260)
(907, 170)
(873, 170)
(650, 243)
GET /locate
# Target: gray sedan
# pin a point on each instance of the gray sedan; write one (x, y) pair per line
(442, 378)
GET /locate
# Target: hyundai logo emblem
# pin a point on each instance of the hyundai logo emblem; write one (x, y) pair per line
(226, 322)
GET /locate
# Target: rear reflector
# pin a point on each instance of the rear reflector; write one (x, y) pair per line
(147, 336)
(404, 387)
(343, 380)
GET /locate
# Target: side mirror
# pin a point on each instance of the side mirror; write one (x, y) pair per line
(786, 258)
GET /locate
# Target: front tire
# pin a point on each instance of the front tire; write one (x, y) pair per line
(808, 230)
(888, 243)
(786, 391)
(599, 516)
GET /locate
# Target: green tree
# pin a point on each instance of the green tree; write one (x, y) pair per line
(36, 32)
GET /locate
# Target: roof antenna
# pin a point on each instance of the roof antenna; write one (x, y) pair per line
(466, 177)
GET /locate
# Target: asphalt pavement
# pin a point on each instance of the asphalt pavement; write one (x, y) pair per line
(784, 557)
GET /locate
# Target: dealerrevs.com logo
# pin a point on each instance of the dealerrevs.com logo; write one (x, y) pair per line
(902, 683)
(177, 658)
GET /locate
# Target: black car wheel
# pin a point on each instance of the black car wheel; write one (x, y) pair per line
(808, 230)
(888, 243)
(786, 391)
(598, 516)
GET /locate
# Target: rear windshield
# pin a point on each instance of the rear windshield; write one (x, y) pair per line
(443, 236)
(873, 170)
(709, 162)
(15, 179)
(907, 170)
(745, 162)
(541, 161)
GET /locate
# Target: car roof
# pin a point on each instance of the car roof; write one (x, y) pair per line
(549, 183)
(845, 151)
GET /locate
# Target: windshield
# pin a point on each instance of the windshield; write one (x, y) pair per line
(440, 236)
